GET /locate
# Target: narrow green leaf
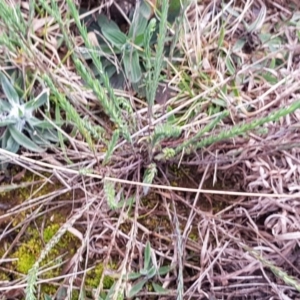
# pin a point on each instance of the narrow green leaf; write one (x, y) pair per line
(43, 138)
(238, 46)
(42, 124)
(7, 121)
(171, 119)
(153, 80)
(112, 291)
(270, 78)
(219, 102)
(229, 65)
(9, 144)
(62, 293)
(272, 63)
(104, 21)
(136, 288)
(145, 9)
(40, 100)
(147, 43)
(221, 37)
(117, 38)
(164, 270)
(140, 20)
(159, 289)
(9, 90)
(112, 32)
(50, 135)
(257, 24)
(147, 255)
(151, 272)
(132, 66)
(82, 295)
(274, 44)
(4, 106)
(139, 40)
(102, 296)
(144, 272)
(174, 10)
(133, 276)
(23, 140)
(232, 11)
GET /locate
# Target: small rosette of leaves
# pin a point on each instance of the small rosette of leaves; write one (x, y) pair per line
(19, 126)
(147, 273)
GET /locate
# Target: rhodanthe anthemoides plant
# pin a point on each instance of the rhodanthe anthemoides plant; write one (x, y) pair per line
(18, 124)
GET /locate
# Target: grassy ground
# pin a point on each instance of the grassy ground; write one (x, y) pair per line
(151, 156)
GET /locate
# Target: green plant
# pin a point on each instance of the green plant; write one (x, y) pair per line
(111, 293)
(124, 56)
(129, 47)
(19, 125)
(148, 272)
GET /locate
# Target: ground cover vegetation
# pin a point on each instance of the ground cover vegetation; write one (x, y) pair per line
(149, 149)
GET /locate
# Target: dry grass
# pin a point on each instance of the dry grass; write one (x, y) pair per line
(224, 216)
